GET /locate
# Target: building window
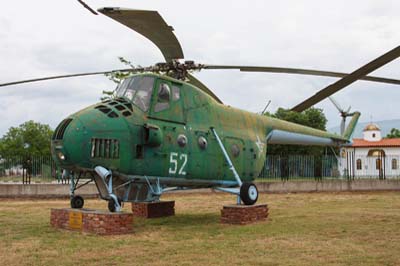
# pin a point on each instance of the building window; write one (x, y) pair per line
(394, 164)
(359, 164)
(373, 135)
(378, 164)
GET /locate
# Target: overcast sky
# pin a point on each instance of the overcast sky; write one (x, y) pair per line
(44, 37)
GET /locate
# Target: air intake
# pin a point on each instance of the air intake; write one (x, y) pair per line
(60, 130)
(105, 148)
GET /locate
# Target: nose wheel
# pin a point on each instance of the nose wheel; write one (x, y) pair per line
(112, 205)
(248, 193)
(77, 202)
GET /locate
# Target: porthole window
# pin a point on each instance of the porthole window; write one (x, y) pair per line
(202, 142)
(182, 140)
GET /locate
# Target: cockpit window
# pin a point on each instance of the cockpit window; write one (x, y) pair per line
(164, 93)
(137, 89)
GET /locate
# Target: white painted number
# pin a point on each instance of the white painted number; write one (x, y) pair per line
(182, 170)
(174, 163)
(173, 160)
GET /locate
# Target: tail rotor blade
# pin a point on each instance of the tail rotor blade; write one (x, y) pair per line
(336, 104)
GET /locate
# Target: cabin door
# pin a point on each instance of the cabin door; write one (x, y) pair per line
(171, 158)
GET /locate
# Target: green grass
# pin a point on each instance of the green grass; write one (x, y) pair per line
(302, 229)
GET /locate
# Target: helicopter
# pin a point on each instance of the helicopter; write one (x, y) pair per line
(163, 130)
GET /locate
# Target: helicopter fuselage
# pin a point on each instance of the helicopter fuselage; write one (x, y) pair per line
(161, 128)
(169, 138)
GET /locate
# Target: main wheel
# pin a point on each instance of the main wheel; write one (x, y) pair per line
(248, 193)
(77, 202)
(111, 204)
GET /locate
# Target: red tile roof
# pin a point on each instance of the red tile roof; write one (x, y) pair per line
(382, 143)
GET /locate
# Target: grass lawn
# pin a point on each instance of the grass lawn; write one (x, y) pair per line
(303, 229)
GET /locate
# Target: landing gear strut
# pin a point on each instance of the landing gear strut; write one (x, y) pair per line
(104, 184)
(247, 191)
(77, 201)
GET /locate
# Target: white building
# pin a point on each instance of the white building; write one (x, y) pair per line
(371, 156)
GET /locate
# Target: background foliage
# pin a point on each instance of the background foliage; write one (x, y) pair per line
(394, 133)
(28, 139)
(312, 117)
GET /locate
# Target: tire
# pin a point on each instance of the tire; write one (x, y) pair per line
(248, 193)
(77, 202)
(111, 204)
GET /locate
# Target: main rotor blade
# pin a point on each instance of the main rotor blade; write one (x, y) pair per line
(299, 71)
(65, 76)
(194, 81)
(151, 25)
(349, 79)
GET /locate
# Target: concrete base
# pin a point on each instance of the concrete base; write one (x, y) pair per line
(90, 190)
(244, 214)
(92, 221)
(153, 209)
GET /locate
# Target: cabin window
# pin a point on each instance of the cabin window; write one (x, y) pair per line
(394, 164)
(359, 164)
(175, 93)
(164, 94)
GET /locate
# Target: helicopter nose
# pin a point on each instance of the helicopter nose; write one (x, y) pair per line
(90, 135)
(68, 141)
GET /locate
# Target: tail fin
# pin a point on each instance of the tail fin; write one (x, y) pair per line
(352, 126)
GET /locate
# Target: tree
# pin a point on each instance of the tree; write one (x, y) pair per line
(117, 77)
(28, 139)
(394, 133)
(312, 117)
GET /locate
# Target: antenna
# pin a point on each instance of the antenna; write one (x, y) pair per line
(87, 7)
(265, 109)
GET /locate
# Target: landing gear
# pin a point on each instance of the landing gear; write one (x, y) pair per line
(248, 193)
(112, 205)
(77, 202)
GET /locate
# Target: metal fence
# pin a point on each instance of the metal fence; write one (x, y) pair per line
(306, 167)
(27, 170)
(297, 167)
(292, 167)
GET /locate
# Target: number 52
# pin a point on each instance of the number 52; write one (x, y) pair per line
(173, 161)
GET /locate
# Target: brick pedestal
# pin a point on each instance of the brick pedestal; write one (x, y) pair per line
(92, 221)
(242, 214)
(153, 209)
